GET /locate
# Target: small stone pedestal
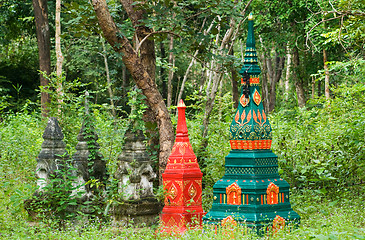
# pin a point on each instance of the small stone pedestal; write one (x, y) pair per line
(135, 174)
(182, 180)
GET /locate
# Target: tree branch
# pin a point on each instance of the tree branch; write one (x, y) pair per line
(153, 33)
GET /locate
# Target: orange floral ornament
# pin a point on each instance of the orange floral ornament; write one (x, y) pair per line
(229, 227)
(278, 223)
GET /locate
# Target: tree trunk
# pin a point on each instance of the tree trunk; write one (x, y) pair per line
(234, 84)
(313, 87)
(177, 89)
(43, 39)
(264, 83)
(298, 82)
(186, 75)
(59, 55)
(124, 79)
(202, 79)
(287, 75)
(162, 71)
(171, 71)
(279, 66)
(141, 71)
(327, 75)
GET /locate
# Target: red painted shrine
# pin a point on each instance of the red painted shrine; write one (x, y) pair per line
(182, 181)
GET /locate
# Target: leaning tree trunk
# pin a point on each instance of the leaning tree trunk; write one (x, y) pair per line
(192, 63)
(140, 70)
(43, 39)
(146, 51)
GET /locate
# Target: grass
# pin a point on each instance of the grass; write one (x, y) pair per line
(322, 218)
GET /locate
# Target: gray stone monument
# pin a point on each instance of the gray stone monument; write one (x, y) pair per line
(136, 176)
(50, 161)
(88, 161)
(52, 155)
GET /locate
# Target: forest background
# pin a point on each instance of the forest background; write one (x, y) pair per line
(311, 53)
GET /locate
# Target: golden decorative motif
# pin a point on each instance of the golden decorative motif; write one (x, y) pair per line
(244, 101)
(228, 221)
(173, 191)
(240, 121)
(256, 97)
(254, 81)
(171, 222)
(192, 191)
(250, 144)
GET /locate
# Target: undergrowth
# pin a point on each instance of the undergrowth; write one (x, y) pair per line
(321, 152)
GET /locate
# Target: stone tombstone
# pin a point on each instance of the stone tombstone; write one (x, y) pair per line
(52, 155)
(88, 162)
(136, 176)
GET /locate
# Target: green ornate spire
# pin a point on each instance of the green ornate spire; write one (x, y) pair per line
(250, 128)
(250, 64)
(251, 191)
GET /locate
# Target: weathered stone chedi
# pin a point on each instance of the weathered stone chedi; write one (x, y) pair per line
(251, 191)
(53, 154)
(135, 175)
(182, 180)
(88, 161)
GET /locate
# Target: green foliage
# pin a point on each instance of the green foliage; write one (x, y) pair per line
(18, 77)
(138, 107)
(322, 147)
(55, 201)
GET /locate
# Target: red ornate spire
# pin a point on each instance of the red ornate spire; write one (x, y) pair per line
(182, 181)
(181, 128)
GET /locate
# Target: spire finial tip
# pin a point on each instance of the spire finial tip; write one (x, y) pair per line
(181, 103)
(250, 17)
